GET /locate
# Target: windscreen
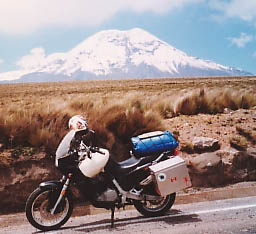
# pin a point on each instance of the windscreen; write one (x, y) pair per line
(63, 148)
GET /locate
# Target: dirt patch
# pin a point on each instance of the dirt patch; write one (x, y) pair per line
(20, 179)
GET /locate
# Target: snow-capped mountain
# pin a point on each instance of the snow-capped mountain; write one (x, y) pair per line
(115, 54)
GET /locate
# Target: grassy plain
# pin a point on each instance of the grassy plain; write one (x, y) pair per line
(36, 114)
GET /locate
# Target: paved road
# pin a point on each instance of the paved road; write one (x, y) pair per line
(223, 216)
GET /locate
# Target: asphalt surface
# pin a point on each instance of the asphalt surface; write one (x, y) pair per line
(236, 215)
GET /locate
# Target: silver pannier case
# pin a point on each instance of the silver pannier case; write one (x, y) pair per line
(171, 175)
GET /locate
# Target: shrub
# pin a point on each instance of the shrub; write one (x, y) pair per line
(116, 125)
(238, 142)
(188, 148)
(244, 132)
(214, 101)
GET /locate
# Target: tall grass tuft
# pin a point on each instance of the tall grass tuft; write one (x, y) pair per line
(42, 129)
(214, 101)
(115, 126)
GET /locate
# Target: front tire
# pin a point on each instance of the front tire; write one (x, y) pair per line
(155, 208)
(39, 205)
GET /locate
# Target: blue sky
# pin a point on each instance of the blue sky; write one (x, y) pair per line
(223, 31)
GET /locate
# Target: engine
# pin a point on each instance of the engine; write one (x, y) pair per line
(109, 195)
(103, 189)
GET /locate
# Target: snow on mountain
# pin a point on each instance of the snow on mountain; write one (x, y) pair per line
(115, 54)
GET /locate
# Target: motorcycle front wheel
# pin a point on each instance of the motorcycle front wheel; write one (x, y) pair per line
(155, 208)
(39, 206)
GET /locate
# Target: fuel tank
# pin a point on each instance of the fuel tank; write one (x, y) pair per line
(91, 167)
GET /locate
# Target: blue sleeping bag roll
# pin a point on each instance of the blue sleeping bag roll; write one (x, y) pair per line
(153, 143)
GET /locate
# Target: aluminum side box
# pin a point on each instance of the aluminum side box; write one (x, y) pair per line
(171, 175)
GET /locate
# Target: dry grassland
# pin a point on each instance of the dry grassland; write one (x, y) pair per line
(36, 115)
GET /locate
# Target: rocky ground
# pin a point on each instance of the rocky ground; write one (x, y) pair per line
(219, 150)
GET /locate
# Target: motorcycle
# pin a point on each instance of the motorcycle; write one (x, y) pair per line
(103, 181)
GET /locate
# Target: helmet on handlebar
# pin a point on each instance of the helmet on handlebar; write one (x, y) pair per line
(78, 123)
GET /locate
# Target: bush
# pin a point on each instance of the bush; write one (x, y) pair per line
(116, 125)
(214, 101)
(239, 143)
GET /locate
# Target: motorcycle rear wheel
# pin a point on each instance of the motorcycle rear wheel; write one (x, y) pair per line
(155, 208)
(39, 205)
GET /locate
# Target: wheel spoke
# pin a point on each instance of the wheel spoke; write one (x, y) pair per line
(156, 205)
(41, 211)
(155, 208)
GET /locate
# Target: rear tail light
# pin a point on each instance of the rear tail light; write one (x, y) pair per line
(176, 152)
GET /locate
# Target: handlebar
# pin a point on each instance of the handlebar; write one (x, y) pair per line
(96, 150)
(88, 150)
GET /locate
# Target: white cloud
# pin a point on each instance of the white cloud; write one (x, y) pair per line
(33, 60)
(254, 54)
(241, 41)
(1, 61)
(243, 9)
(26, 16)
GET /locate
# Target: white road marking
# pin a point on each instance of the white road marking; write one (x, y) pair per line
(224, 209)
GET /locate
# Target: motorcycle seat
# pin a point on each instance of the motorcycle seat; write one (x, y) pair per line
(132, 162)
(119, 169)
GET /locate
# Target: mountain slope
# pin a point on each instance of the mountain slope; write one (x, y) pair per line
(117, 54)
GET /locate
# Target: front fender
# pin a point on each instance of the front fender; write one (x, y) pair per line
(53, 185)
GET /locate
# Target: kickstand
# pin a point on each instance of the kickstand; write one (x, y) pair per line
(112, 216)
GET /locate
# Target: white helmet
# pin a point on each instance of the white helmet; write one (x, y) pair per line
(78, 123)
